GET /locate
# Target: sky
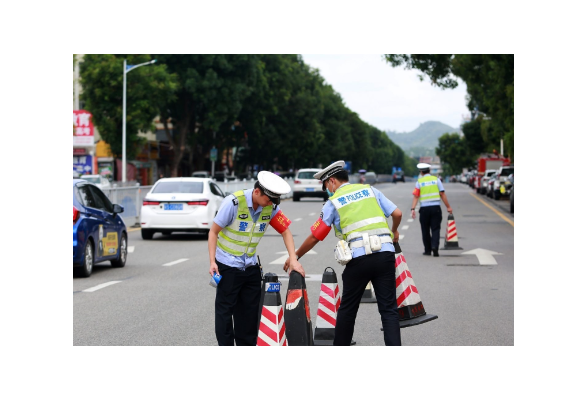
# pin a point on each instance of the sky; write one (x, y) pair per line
(389, 98)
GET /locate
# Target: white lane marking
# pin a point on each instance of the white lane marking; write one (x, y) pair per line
(169, 264)
(130, 249)
(93, 289)
(298, 219)
(308, 277)
(405, 227)
(311, 214)
(411, 220)
(282, 260)
(401, 237)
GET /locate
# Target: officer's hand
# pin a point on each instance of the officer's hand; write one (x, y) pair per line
(396, 236)
(450, 210)
(413, 214)
(213, 269)
(287, 265)
(296, 266)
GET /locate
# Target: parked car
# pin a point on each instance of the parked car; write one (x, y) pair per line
(498, 186)
(483, 189)
(99, 233)
(511, 179)
(398, 176)
(200, 174)
(371, 178)
(97, 180)
(306, 185)
(489, 190)
(180, 205)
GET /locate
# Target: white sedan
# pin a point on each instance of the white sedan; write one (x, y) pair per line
(180, 205)
(306, 185)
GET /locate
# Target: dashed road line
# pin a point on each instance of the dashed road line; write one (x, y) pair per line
(298, 219)
(311, 214)
(130, 249)
(93, 289)
(411, 220)
(405, 227)
(169, 264)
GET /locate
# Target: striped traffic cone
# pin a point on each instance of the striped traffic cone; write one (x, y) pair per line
(451, 235)
(368, 295)
(410, 307)
(326, 316)
(297, 313)
(271, 325)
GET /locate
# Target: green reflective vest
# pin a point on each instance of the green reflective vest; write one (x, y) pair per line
(359, 212)
(243, 235)
(429, 188)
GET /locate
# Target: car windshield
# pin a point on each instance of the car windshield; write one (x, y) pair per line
(178, 187)
(91, 179)
(306, 175)
(506, 171)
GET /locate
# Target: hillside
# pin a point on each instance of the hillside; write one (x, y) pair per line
(423, 140)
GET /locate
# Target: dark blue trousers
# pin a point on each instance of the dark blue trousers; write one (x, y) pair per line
(430, 219)
(380, 269)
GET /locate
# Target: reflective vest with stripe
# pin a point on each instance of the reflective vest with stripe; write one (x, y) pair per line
(429, 188)
(359, 212)
(243, 235)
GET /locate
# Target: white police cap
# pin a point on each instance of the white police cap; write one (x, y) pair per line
(273, 185)
(331, 170)
(423, 165)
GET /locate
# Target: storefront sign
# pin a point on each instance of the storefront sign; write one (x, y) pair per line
(79, 151)
(83, 128)
(82, 164)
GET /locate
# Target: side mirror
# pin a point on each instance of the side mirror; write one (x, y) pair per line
(118, 209)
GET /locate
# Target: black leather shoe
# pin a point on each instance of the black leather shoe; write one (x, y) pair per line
(435, 252)
(427, 254)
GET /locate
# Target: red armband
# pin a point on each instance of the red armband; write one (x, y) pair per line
(416, 192)
(280, 222)
(320, 230)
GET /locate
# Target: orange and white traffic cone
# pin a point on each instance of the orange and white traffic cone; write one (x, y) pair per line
(410, 307)
(272, 330)
(326, 316)
(297, 313)
(451, 235)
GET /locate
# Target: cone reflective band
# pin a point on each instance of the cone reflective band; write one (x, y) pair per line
(271, 324)
(451, 235)
(410, 307)
(326, 316)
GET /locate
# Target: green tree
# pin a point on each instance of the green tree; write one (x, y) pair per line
(148, 88)
(454, 153)
(490, 86)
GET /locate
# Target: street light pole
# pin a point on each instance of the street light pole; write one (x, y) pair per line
(124, 119)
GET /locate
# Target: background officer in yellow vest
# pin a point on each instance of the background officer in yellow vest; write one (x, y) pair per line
(237, 229)
(429, 191)
(358, 213)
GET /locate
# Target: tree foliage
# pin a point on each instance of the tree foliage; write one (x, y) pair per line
(490, 86)
(276, 111)
(454, 153)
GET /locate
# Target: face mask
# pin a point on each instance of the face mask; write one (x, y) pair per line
(331, 194)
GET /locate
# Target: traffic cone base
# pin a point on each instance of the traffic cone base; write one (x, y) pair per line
(368, 295)
(451, 242)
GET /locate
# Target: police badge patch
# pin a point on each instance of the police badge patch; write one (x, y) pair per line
(265, 217)
(243, 216)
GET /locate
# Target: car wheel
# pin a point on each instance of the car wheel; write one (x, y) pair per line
(511, 206)
(122, 253)
(478, 190)
(147, 234)
(295, 197)
(497, 195)
(86, 269)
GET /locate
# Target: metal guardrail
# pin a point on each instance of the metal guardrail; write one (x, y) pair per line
(131, 197)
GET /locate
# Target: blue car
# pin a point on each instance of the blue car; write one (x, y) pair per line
(99, 233)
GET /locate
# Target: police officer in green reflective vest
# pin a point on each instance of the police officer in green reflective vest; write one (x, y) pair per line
(358, 215)
(429, 191)
(242, 220)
